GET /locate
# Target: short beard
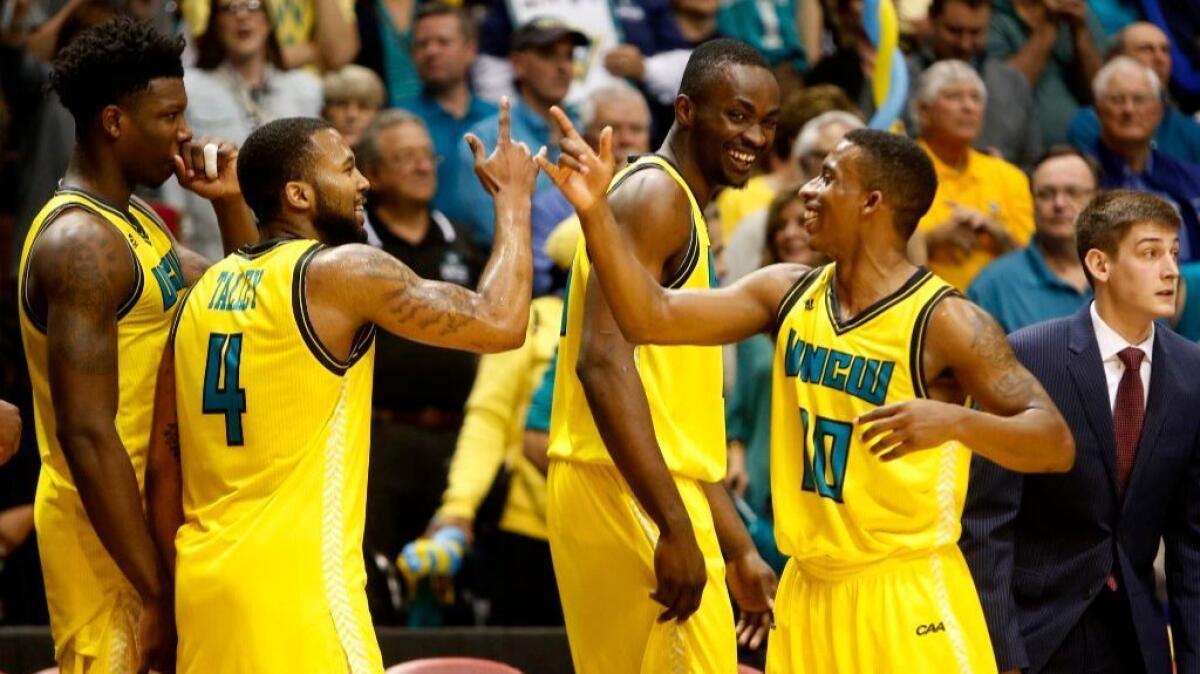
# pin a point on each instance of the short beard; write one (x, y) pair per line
(334, 229)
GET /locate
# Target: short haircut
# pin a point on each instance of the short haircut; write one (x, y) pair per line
(275, 154)
(366, 152)
(939, 76)
(1064, 150)
(353, 83)
(1116, 66)
(609, 91)
(1109, 217)
(806, 142)
(439, 8)
(110, 62)
(897, 167)
(938, 7)
(710, 58)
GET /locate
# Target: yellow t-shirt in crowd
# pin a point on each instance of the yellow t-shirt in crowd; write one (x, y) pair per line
(733, 204)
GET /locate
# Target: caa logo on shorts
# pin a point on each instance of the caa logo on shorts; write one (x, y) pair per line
(922, 630)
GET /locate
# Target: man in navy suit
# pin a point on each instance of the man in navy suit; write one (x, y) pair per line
(1064, 563)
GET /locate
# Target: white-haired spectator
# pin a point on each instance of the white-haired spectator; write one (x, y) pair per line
(818, 137)
(1177, 135)
(237, 85)
(982, 208)
(959, 30)
(1053, 43)
(1129, 105)
(353, 96)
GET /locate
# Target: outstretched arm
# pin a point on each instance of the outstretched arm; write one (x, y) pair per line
(1017, 424)
(362, 284)
(647, 312)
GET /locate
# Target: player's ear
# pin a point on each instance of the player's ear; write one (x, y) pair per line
(685, 110)
(110, 121)
(299, 196)
(873, 202)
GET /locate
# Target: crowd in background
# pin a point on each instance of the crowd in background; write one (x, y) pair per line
(1026, 107)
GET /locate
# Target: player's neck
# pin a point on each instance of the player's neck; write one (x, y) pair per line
(678, 151)
(99, 174)
(289, 229)
(868, 275)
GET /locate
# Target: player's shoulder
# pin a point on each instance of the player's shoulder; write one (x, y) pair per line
(648, 188)
(78, 233)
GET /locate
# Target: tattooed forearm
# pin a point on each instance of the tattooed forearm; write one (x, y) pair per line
(171, 437)
(1012, 382)
(84, 296)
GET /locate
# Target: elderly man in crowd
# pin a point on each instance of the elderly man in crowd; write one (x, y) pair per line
(1130, 105)
(1177, 135)
(982, 208)
(1010, 126)
(443, 49)
(1046, 279)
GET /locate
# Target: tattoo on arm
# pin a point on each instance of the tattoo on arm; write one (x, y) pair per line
(988, 341)
(424, 304)
(87, 289)
(171, 437)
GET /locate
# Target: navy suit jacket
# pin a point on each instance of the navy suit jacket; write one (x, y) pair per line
(1041, 547)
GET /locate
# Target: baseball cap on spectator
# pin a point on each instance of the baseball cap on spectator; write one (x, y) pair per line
(545, 31)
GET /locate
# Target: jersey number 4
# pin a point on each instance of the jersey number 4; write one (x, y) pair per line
(825, 468)
(222, 391)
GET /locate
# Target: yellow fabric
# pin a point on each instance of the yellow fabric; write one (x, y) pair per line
(294, 20)
(83, 584)
(114, 649)
(990, 185)
(838, 509)
(683, 384)
(562, 242)
(734, 204)
(913, 615)
(602, 544)
(493, 430)
(270, 573)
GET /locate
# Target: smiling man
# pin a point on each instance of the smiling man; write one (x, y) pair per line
(641, 529)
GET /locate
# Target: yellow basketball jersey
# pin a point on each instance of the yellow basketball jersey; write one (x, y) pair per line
(837, 507)
(683, 383)
(81, 579)
(274, 436)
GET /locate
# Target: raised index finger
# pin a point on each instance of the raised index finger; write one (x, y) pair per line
(563, 122)
(503, 138)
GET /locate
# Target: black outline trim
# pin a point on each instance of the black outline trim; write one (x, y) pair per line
(691, 257)
(881, 305)
(179, 312)
(252, 251)
(794, 293)
(140, 205)
(916, 345)
(362, 339)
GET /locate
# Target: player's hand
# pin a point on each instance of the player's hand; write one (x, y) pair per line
(156, 637)
(439, 523)
(190, 169)
(752, 582)
(582, 174)
(897, 430)
(10, 430)
(680, 573)
(736, 477)
(510, 168)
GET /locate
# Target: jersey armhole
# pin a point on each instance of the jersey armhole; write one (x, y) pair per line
(793, 295)
(691, 257)
(362, 339)
(139, 281)
(916, 345)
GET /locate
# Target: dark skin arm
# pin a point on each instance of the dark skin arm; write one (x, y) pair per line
(164, 505)
(10, 430)
(234, 218)
(751, 581)
(967, 354)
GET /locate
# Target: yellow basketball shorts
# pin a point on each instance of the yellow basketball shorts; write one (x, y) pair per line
(602, 544)
(106, 645)
(912, 615)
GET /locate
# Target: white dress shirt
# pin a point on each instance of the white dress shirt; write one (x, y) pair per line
(1111, 344)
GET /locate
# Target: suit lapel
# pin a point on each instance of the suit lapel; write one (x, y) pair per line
(1162, 387)
(1087, 371)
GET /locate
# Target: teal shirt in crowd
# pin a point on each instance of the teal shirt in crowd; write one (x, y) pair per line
(1189, 319)
(1019, 289)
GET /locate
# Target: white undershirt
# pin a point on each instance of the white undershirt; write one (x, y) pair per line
(1111, 344)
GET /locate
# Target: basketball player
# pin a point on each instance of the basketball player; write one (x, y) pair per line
(641, 530)
(100, 278)
(874, 360)
(265, 395)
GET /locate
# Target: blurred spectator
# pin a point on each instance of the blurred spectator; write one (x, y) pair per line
(748, 413)
(1046, 279)
(543, 65)
(419, 390)
(816, 140)
(849, 66)
(1056, 45)
(786, 32)
(734, 204)
(514, 557)
(235, 87)
(1178, 135)
(983, 208)
(1187, 319)
(443, 50)
(1180, 20)
(317, 34)
(1129, 104)
(1009, 125)
(556, 228)
(41, 128)
(386, 30)
(1115, 15)
(353, 96)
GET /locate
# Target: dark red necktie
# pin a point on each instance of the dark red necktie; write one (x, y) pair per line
(1128, 413)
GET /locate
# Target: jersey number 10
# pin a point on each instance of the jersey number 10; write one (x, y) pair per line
(223, 394)
(825, 469)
